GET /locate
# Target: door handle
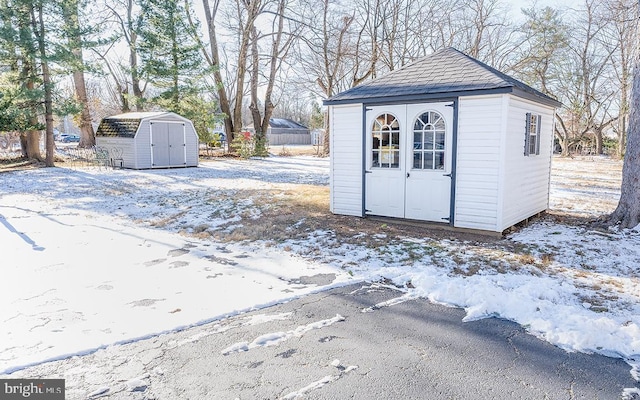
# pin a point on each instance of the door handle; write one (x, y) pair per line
(449, 175)
(407, 174)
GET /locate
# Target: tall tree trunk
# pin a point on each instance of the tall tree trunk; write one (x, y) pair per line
(259, 131)
(175, 79)
(622, 135)
(37, 21)
(87, 136)
(599, 140)
(214, 61)
(261, 123)
(242, 70)
(30, 140)
(627, 214)
(138, 92)
(74, 38)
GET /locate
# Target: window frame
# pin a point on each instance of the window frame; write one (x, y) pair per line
(532, 134)
(385, 142)
(434, 152)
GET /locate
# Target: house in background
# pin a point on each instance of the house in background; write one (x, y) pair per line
(284, 131)
(445, 139)
(141, 140)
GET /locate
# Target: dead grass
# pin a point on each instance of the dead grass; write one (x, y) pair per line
(295, 211)
(286, 211)
(295, 150)
(18, 163)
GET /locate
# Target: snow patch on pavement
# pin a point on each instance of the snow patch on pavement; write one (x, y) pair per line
(275, 338)
(300, 393)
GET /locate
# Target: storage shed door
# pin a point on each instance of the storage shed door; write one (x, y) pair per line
(408, 170)
(168, 145)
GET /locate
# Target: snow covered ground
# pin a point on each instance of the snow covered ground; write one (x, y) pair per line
(93, 257)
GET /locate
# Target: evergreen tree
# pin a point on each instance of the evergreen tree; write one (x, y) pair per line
(19, 60)
(170, 55)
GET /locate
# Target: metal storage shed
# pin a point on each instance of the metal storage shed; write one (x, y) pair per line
(141, 140)
(445, 139)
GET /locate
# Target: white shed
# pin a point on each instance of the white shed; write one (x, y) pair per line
(141, 140)
(445, 139)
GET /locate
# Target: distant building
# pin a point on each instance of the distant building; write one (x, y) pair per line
(284, 131)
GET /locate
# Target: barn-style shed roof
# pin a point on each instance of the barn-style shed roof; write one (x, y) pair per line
(125, 125)
(445, 73)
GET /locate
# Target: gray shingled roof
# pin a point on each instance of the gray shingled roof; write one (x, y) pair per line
(445, 73)
(119, 127)
(285, 123)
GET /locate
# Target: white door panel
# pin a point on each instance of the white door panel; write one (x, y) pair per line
(384, 179)
(385, 194)
(428, 186)
(408, 164)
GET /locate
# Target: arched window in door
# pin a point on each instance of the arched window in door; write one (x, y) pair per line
(429, 141)
(385, 142)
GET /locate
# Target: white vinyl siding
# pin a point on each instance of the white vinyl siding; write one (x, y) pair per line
(143, 145)
(346, 159)
(478, 162)
(526, 179)
(118, 146)
(496, 184)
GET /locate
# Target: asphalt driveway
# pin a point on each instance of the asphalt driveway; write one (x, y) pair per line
(357, 342)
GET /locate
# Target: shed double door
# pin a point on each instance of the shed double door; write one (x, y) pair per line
(408, 161)
(168, 144)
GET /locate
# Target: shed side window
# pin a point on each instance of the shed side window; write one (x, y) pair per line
(532, 134)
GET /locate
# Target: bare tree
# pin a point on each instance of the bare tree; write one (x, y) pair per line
(118, 88)
(585, 82)
(280, 44)
(247, 12)
(130, 26)
(74, 34)
(214, 61)
(481, 29)
(539, 56)
(623, 17)
(627, 213)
